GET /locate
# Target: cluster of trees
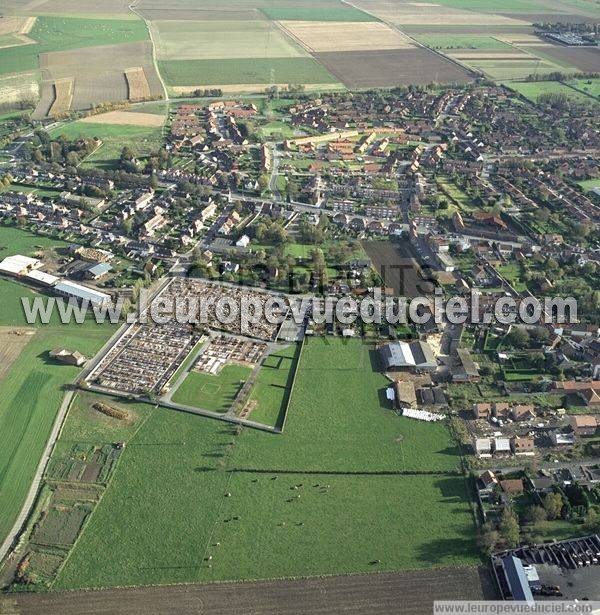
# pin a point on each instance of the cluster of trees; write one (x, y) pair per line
(521, 338)
(43, 149)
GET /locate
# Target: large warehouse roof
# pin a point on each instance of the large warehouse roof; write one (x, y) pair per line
(71, 289)
(18, 264)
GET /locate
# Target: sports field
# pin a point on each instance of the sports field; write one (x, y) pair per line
(31, 390)
(254, 505)
(215, 392)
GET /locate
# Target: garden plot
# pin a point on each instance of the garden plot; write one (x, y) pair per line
(325, 36)
(85, 464)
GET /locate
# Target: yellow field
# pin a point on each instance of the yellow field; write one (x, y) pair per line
(126, 118)
(63, 96)
(12, 342)
(137, 84)
(323, 36)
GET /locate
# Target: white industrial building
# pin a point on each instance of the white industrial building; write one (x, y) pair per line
(39, 277)
(70, 289)
(19, 265)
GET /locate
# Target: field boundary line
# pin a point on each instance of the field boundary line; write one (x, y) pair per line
(104, 490)
(34, 489)
(148, 25)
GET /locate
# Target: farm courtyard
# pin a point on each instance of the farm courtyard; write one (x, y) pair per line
(348, 483)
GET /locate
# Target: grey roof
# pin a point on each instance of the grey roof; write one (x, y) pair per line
(100, 269)
(403, 354)
(466, 362)
(517, 578)
(81, 292)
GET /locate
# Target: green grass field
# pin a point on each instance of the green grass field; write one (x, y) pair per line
(31, 392)
(513, 69)
(273, 385)
(589, 184)
(142, 140)
(333, 478)
(62, 33)
(196, 40)
(214, 392)
(532, 91)
(310, 13)
(461, 41)
(489, 6)
(244, 71)
(587, 86)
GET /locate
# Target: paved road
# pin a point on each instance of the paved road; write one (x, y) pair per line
(406, 593)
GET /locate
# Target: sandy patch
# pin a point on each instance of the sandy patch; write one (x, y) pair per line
(126, 118)
(324, 36)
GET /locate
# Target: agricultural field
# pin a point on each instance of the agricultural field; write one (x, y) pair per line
(507, 69)
(262, 71)
(433, 14)
(339, 13)
(249, 499)
(358, 69)
(19, 87)
(591, 87)
(83, 8)
(62, 34)
(214, 392)
(462, 42)
(327, 36)
(273, 386)
(99, 73)
(126, 118)
(533, 90)
(142, 139)
(31, 390)
(196, 40)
